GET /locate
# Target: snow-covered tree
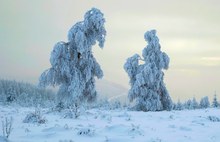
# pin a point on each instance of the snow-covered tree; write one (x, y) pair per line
(11, 94)
(179, 105)
(146, 80)
(188, 104)
(195, 104)
(73, 66)
(204, 102)
(215, 102)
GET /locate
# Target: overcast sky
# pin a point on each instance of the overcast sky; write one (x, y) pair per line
(189, 32)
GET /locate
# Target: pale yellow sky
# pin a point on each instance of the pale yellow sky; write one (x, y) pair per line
(189, 33)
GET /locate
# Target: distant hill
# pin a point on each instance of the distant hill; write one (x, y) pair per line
(111, 90)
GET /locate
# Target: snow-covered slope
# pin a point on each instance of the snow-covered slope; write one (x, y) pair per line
(111, 90)
(116, 126)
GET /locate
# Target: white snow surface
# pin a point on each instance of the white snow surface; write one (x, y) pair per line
(98, 125)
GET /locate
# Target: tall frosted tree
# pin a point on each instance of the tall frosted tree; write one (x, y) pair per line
(147, 86)
(73, 66)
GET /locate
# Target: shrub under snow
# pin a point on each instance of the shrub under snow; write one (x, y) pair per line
(34, 117)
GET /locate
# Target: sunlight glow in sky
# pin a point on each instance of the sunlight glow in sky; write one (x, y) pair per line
(189, 33)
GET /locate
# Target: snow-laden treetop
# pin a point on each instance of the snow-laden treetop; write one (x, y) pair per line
(160, 59)
(87, 32)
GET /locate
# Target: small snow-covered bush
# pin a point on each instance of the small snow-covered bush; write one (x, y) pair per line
(214, 118)
(59, 107)
(34, 117)
(70, 114)
(7, 127)
(73, 111)
(86, 132)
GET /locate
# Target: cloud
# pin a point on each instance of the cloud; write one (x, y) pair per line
(210, 61)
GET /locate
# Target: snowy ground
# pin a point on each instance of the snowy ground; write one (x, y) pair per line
(115, 126)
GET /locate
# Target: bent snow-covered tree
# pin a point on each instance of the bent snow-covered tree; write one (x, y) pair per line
(73, 66)
(146, 80)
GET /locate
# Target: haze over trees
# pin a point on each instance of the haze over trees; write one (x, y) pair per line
(25, 94)
(73, 65)
(147, 87)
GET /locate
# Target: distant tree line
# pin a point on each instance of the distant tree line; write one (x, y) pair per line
(193, 104)
(27, 95)
(24, 94)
